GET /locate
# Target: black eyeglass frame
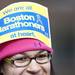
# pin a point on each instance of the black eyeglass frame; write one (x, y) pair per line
(11, 61)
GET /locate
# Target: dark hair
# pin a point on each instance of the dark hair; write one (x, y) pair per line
(1, 64)
(52, 70)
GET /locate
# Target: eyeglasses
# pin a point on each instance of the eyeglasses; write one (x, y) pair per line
(24, 61)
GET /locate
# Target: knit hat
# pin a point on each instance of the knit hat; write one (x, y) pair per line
(21, 45)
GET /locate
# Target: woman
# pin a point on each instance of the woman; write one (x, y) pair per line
(25, 57)
(22, 55)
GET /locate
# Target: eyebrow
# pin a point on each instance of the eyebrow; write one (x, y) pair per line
(41, 51)
(17, 56)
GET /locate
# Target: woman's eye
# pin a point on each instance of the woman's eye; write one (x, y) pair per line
(22, 60)
(19, 59)
(42, 56)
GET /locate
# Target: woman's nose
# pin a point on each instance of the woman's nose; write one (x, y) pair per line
(34, 67)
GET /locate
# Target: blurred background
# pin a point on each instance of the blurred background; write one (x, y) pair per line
(62, 20)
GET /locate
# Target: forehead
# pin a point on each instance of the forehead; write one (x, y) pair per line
(30, 53)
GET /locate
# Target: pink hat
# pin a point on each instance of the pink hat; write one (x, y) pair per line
(21, 45)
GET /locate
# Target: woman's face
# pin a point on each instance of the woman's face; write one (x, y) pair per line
(21, 64)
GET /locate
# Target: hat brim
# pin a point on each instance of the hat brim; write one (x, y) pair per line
(22, 45)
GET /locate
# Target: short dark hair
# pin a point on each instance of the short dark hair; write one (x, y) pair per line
(1, 64)
(52, 70)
